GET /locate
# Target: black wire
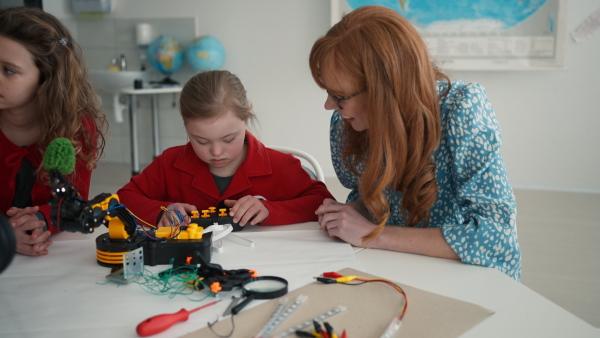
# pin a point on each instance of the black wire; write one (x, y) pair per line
(328, 280)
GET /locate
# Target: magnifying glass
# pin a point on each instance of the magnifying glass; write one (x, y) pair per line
(264, 287)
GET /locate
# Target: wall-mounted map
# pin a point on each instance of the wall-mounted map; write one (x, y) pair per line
(482, 34)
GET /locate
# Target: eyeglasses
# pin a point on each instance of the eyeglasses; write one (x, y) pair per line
(339, 99)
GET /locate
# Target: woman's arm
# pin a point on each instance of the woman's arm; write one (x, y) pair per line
(481, 228)
(346, 222)
(423, 241)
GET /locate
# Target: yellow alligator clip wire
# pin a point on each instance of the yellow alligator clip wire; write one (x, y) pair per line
(345, 279)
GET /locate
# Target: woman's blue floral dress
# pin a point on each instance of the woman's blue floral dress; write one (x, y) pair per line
(475, 206)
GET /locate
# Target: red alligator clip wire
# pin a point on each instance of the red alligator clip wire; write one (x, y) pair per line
(332, 275)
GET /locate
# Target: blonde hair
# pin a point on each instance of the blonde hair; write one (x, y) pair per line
(209, 93)
(385, 55)
(65, 95)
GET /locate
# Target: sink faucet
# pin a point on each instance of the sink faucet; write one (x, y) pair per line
(123, 62)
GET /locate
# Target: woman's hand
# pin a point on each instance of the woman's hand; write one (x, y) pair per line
(343, 221)
(247, 209)
(184, 209)
(348, 222)
(30, 237)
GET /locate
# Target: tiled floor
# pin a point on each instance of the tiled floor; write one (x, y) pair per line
(559, 234)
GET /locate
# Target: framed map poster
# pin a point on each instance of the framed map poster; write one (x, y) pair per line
(482, 34)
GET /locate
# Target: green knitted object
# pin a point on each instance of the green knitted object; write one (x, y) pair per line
(60, 155)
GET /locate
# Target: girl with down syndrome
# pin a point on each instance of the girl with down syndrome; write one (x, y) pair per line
(223, 164)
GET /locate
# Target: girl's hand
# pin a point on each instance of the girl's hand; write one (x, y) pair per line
(344, 222)
(247, 209)
(30, 237)
(184, 209)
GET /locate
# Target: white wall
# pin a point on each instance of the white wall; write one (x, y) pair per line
(549, 118)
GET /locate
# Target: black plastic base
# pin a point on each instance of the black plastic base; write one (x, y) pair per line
(158, 252)
(178, 250)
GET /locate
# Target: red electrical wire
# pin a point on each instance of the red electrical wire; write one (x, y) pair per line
(331, 277)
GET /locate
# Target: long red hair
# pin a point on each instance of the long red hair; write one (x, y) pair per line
(385, 55)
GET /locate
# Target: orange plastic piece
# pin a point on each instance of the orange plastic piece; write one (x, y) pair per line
(193, 232)
(215, 287)
(254, 273)
(188, 260)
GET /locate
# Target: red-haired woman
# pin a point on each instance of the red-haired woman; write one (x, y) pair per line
(421, 154)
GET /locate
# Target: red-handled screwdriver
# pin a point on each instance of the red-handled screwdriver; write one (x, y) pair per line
(159, 323)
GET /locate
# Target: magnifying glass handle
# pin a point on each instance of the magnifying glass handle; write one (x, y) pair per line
(236, 309)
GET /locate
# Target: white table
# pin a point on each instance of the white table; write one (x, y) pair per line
(133, 94)
(519, 311)
(59, 295)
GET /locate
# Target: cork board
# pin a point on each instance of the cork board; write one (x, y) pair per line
(370, 308)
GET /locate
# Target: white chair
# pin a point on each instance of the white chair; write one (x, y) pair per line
(315, 173)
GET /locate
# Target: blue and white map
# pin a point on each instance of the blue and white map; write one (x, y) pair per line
(465, 15)
(482, 34)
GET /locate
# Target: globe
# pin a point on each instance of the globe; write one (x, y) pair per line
(166, 55)
(206, 53)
